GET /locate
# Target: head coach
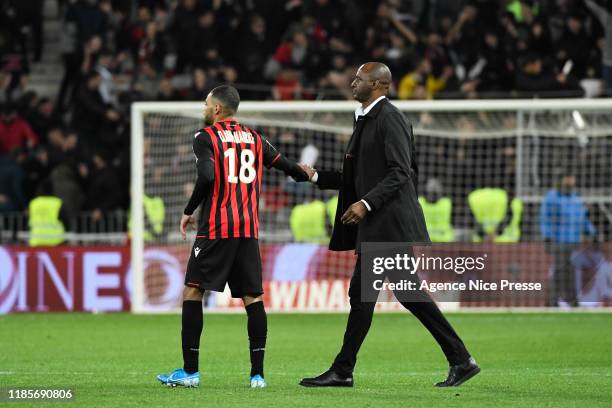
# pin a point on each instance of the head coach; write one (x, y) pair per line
(378, 203)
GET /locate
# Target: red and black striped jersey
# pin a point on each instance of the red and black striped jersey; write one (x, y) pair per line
(238, 153)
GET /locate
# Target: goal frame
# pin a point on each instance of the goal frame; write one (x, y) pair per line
(139, 109)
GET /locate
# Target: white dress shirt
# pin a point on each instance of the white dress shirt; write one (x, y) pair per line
(361, 111)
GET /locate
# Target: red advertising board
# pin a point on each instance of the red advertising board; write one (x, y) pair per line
(297, 277)
(64, 279)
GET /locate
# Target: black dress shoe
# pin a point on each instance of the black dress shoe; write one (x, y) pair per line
(327, 379)
(458, 374)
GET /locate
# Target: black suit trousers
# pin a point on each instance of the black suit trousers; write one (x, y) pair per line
(360, 319)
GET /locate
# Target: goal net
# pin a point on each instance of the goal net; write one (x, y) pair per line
(523, 148)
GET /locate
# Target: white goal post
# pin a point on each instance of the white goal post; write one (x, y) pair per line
(536, 137)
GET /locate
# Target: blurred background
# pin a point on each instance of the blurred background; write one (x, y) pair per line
(70, 70)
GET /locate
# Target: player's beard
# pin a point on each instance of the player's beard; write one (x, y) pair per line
(208, 119)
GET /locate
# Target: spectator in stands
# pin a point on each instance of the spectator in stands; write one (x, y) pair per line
(102, 177)
(316, 34)
(104, 67)
(605, 18)
(152, 47)
(204, 48)
(574, 45)
(36, 167)
(141, 34)
(337, 78)
(90, 18)
(287, 85)
(535, 78)
(184, 27)
(250, 59)
(15, 133)
(11, 193)
(167, 93)
(76, 67)
(395, 39)
(91, 113)
(435, 51)
(29, 14)
(493, 67)
(290, 56)
(464, 38)
(200, 85)
(145, 86)
(421, 83)
(40, 114)
(539, 39)
(14, 64)
(61, 147)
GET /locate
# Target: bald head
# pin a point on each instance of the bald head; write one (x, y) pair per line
(372, 81)
(377, 71)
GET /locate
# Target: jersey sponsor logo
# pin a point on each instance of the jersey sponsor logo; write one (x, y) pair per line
(196, 251)
(236, 136)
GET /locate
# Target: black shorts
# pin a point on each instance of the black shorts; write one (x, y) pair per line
(235, 261)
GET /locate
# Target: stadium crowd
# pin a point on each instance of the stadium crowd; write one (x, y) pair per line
(76, 144)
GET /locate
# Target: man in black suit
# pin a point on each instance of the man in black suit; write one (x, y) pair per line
(378, 203)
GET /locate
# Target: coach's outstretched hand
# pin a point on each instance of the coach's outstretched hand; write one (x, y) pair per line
(354, 214)
(185, 221)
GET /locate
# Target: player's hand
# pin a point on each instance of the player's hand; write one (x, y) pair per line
(355, 213)
(186, 220)
(308, 170)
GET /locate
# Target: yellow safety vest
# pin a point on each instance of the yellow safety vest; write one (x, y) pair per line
(489, 206)
(155, 212)
(438, 219)
(46, 229)
(307, 222)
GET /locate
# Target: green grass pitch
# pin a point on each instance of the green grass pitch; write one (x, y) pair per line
(527, 360)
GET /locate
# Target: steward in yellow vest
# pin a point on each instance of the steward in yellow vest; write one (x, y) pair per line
(155, 214)
(493, 216)
(437, 211)
(46, 228)
(438, 219)
(154, 217)
(307, 222)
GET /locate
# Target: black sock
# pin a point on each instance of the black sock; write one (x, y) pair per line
(258, 330)
(193, 322)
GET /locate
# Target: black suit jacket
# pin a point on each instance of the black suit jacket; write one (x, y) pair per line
(380, 167)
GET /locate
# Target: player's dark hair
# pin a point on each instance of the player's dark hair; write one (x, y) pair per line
(228, 96)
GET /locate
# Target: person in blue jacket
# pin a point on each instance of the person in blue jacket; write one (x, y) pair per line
(564, 222)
